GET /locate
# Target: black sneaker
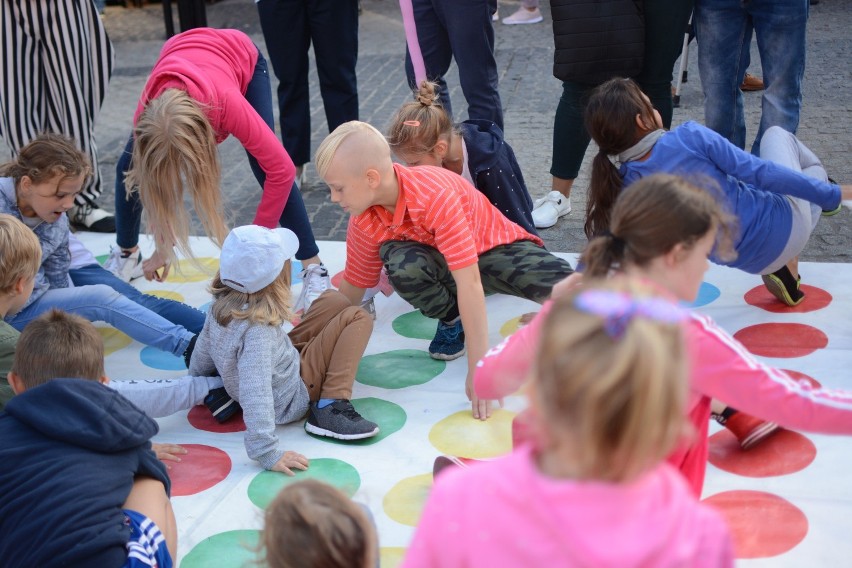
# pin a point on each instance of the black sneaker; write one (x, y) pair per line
(221, 405)
(339, 420)
(783, 286)
(90, 217)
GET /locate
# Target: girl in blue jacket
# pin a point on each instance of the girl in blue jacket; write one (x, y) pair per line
(777, 198)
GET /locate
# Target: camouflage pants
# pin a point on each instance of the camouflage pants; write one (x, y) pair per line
(420, 275)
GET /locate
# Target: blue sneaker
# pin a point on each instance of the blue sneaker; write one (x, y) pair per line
(448, 343)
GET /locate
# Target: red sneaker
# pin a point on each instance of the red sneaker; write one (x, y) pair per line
(749, 430)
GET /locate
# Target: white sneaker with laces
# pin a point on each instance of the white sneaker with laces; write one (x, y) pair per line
(547, 210)
(524, 16)
(315, 281)
(126, 266)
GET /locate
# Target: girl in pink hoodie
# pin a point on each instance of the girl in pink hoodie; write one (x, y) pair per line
(609, 395)
(662, 230)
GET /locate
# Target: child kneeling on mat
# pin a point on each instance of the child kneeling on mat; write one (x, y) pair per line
(276, 376)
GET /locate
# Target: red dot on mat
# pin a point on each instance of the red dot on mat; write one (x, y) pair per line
(201, 468)
(815, 299)
(763, 525)
(799, 376)
(337, 279)
(782, 453)
(781, 339)
(201, 419)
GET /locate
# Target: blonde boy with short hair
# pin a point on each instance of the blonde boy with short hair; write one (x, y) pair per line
(441, 241)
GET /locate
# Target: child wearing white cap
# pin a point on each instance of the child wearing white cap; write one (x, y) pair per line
(278, 377)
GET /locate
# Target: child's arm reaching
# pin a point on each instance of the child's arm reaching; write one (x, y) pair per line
(725, 370)
(254, 368)
(471, 302)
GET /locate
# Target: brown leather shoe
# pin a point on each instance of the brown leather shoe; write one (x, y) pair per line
(751, 83)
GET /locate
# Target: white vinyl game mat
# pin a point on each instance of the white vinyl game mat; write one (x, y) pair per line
(788, 501)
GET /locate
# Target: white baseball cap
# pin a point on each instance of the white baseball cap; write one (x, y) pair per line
(253, 256)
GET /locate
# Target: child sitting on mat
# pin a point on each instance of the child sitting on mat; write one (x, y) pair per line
(278, 377)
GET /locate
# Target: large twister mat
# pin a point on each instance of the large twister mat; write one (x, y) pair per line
(788, 501)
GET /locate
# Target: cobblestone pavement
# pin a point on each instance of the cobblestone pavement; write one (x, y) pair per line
(529, 92)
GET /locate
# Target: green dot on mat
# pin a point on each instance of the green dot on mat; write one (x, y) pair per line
(232, 549)
(415, 325)
(266, 485)
(399, 369)
(389, 416)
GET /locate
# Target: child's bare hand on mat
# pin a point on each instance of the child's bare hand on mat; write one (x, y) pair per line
(151, 267)
(480, 406)
(168, 452)
(290, 460)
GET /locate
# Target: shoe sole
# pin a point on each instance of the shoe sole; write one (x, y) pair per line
(445, 357)
(832, 212)
(534, 21)
(558, 217)
(777, 289)
(225, 413)
(316, 430)
(758, 435)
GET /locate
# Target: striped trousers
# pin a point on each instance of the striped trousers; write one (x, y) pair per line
(57, 62)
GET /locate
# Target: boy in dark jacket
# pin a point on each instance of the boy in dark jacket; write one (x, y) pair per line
(83, 486)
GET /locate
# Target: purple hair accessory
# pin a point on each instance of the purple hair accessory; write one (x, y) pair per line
(618, 309)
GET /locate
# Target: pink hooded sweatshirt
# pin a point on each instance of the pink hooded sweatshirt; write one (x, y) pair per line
(720, 368)
(506, 513)
(215, 67)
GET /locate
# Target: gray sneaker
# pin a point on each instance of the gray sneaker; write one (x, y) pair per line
(339, 420)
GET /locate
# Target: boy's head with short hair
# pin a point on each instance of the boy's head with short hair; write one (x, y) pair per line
(57, 345)
(314, 525)
(20, 258)
(355, 161)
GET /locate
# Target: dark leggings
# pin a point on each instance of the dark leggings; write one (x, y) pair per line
(665, 24)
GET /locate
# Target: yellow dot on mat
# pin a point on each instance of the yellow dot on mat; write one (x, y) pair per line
(462, 435)
(404, 502)
(200, 269)
(114, 340)
(510, 326)
(168, 294)
(391, 556)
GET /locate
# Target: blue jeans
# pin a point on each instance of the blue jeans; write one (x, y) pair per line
(724, 29)
(176, 312)
(448, 29)
(128, 207)
(102, 303)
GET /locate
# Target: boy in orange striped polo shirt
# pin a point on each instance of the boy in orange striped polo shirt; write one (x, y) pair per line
(443, 244)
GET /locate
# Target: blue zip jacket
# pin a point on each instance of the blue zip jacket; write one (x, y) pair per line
(496, 172)
(755, 190)
(69, 453)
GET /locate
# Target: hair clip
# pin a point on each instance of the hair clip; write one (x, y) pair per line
(618, 309)
(411, 122)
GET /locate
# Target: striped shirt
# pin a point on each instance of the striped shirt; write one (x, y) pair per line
(437, 208)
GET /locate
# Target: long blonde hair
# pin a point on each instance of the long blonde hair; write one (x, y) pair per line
(618, 396)
(175, 147)
(270, 306)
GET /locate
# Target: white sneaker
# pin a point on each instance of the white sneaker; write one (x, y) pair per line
(126, 266)
(315, 281)
(384, 286)
(547, 210)
(524, 16)
(495, 17)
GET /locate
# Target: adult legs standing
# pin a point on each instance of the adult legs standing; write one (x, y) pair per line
(463, 30)
(57, 65)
